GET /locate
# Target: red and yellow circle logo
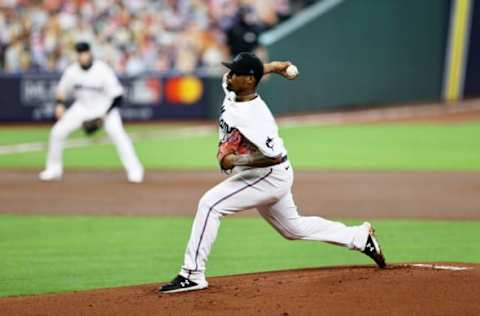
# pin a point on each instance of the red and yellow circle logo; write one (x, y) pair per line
(183, 90)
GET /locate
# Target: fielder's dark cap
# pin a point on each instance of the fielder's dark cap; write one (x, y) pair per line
(246, 64)
(82, 47)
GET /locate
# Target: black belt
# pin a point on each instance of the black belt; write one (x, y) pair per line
(282, 160)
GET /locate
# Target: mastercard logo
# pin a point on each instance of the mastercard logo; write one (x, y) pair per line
(183, 90)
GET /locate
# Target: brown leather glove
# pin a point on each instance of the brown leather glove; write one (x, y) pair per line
(90, 127)
(236, 144)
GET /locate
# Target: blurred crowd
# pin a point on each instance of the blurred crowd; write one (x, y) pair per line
(135, 36)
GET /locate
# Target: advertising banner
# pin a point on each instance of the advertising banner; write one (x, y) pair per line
(31, 97)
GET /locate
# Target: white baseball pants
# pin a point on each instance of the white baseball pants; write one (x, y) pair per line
(268, 190)
(72, 120)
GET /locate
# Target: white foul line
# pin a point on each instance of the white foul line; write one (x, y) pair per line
(77, 143)
(439, 267)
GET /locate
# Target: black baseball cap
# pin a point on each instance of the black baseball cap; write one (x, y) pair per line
(246, 64)
(82, 47)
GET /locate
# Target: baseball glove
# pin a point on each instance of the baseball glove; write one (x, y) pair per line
(234, 144)
(90, 127)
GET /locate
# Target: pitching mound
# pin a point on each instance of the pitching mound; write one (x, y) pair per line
(420, 289)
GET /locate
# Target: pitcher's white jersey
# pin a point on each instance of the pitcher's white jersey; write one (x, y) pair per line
(93, 89)
(254, 120)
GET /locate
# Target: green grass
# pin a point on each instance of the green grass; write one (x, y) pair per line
(10, 135)
(54, 254)
(387, 147)
(394, 146)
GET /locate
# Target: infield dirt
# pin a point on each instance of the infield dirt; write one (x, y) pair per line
(354, 290)
(343, 194)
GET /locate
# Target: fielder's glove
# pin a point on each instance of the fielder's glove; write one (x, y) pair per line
(92, 126)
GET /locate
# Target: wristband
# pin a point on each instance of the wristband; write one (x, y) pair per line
(60, 102)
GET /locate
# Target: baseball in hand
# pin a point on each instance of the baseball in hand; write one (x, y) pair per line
(292, 72)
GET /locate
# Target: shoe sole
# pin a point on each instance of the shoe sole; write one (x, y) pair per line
(378, 249)
(59, 178)
(135, 179)
(192, 288)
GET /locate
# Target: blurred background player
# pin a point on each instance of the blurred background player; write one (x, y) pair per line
(97, 93)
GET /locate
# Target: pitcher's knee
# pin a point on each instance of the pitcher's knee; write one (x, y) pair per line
(208, 204)
(289, 236)
(205, 204)
(291, 231)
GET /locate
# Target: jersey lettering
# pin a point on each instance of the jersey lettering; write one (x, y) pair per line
(80, 86)
(224, 126)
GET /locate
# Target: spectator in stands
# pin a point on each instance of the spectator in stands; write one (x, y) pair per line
(242, 36)
(134, 36)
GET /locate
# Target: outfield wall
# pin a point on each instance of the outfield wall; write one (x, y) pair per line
(472, 73)
(363, 53)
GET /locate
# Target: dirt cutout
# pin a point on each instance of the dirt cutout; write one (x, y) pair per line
(330, 194)
(354, 290)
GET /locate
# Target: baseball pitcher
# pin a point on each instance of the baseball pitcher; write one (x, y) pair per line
(262, 176)
(97, 93)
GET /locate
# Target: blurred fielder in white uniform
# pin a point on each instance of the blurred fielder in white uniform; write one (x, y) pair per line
(97, 94)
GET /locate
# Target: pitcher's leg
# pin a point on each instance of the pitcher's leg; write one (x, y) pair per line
(125, 149)
(203, 234)
(70, 121)
(232, 195)
(284, 217)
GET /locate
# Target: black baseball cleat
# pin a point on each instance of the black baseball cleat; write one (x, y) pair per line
(373, 250)
(181, 284)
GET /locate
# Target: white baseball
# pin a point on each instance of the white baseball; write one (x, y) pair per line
(292, 71)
